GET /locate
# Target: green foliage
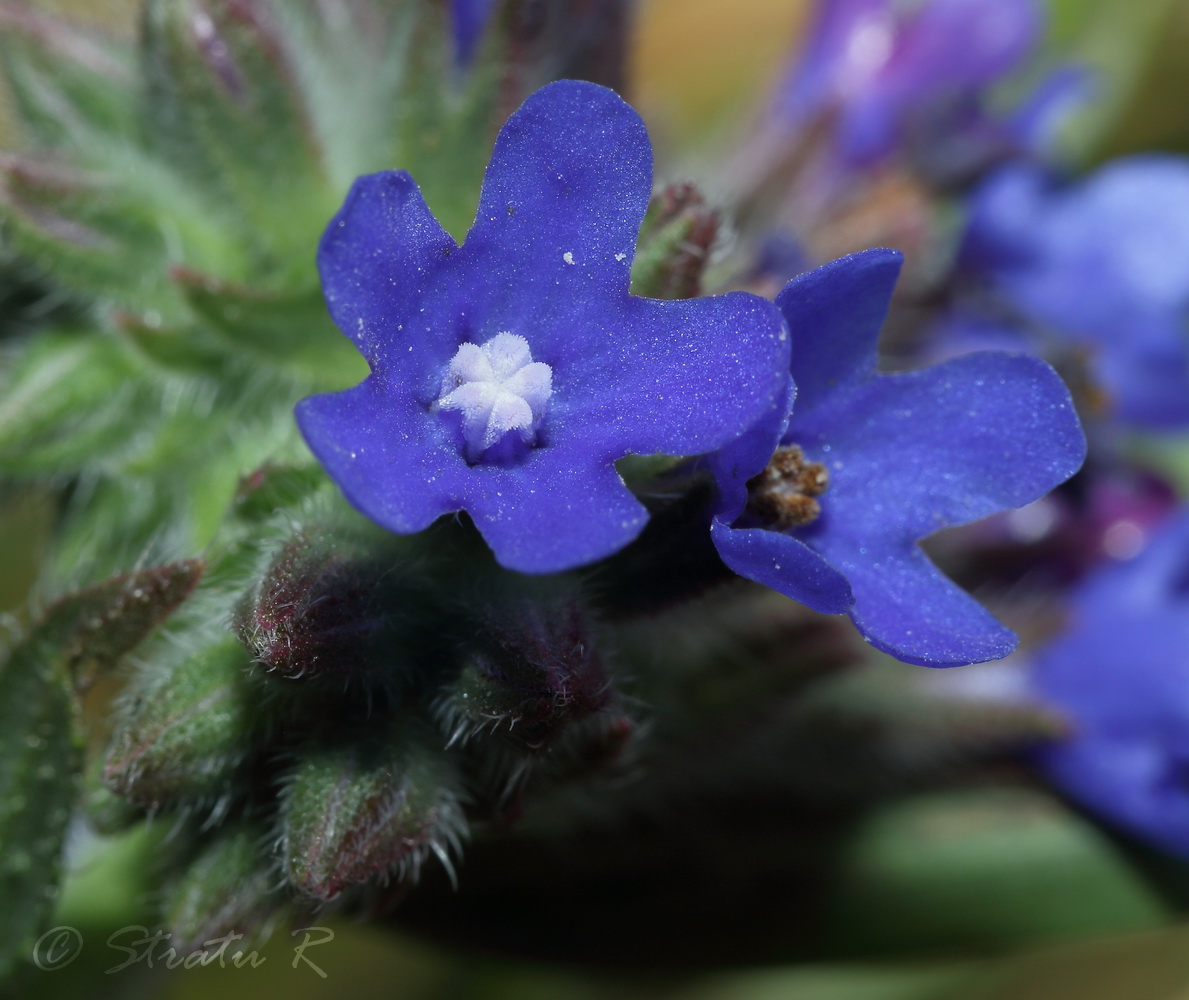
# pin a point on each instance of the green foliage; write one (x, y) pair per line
(40, 749)
(40, 737)
(179, 191)
(978, 871)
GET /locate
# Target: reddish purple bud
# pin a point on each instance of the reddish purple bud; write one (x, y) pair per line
(317, 610)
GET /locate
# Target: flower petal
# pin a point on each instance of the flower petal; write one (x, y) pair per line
(906, 607)
(553, 518)
(834, 314)
(374, 442)
(397, 464)
(566, 189)
(378, 257)
(785, 564)
(676, 377)
(913, 453)
(739, 460)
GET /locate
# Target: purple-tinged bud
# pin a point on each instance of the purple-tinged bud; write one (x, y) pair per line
(372, 804)
(324, 609)
(531, 672)
(675, 243)
(105, 811)
(102, 623)
(567, 39)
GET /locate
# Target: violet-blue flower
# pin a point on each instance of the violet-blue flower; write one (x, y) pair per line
(1120, 673)
(877, 63)
(827, 506)
(468, 19)
(509, 374)
(1102, 265)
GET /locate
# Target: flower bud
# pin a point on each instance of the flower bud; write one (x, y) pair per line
(532, 670)
(675, 242)
(186, 731)
(325, 609)
(371, 803)
(227, 889)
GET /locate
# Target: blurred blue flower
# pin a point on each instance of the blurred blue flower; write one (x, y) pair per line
(868, 464)
(1121, 674)
(1102, 266)
(509, 374)
(880, 65)
(468, 19)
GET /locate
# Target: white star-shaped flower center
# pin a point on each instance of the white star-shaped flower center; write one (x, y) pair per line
(499, 388)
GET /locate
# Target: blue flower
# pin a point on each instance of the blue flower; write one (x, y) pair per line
(1102, 266)
(826, 506)
(1121, 674)
(510, 373)
(880, 64)
(468, 19)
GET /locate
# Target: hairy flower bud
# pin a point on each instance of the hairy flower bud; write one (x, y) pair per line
(370, 803)
(531, 671)
(186, 731)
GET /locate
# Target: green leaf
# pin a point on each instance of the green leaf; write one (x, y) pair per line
(288, 329)
(448, 121)
(224, 107)
(186, 350)
(70, 400)
(40, 746)
(89, 229)
(66, 88)
(40, 755)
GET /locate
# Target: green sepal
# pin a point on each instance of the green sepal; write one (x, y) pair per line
(224, 107)
(42, 754)
(186, 730)
(366, 802)
(66, 88)
(227, 887)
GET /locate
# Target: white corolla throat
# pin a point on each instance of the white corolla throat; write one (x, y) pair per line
(499, 388)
